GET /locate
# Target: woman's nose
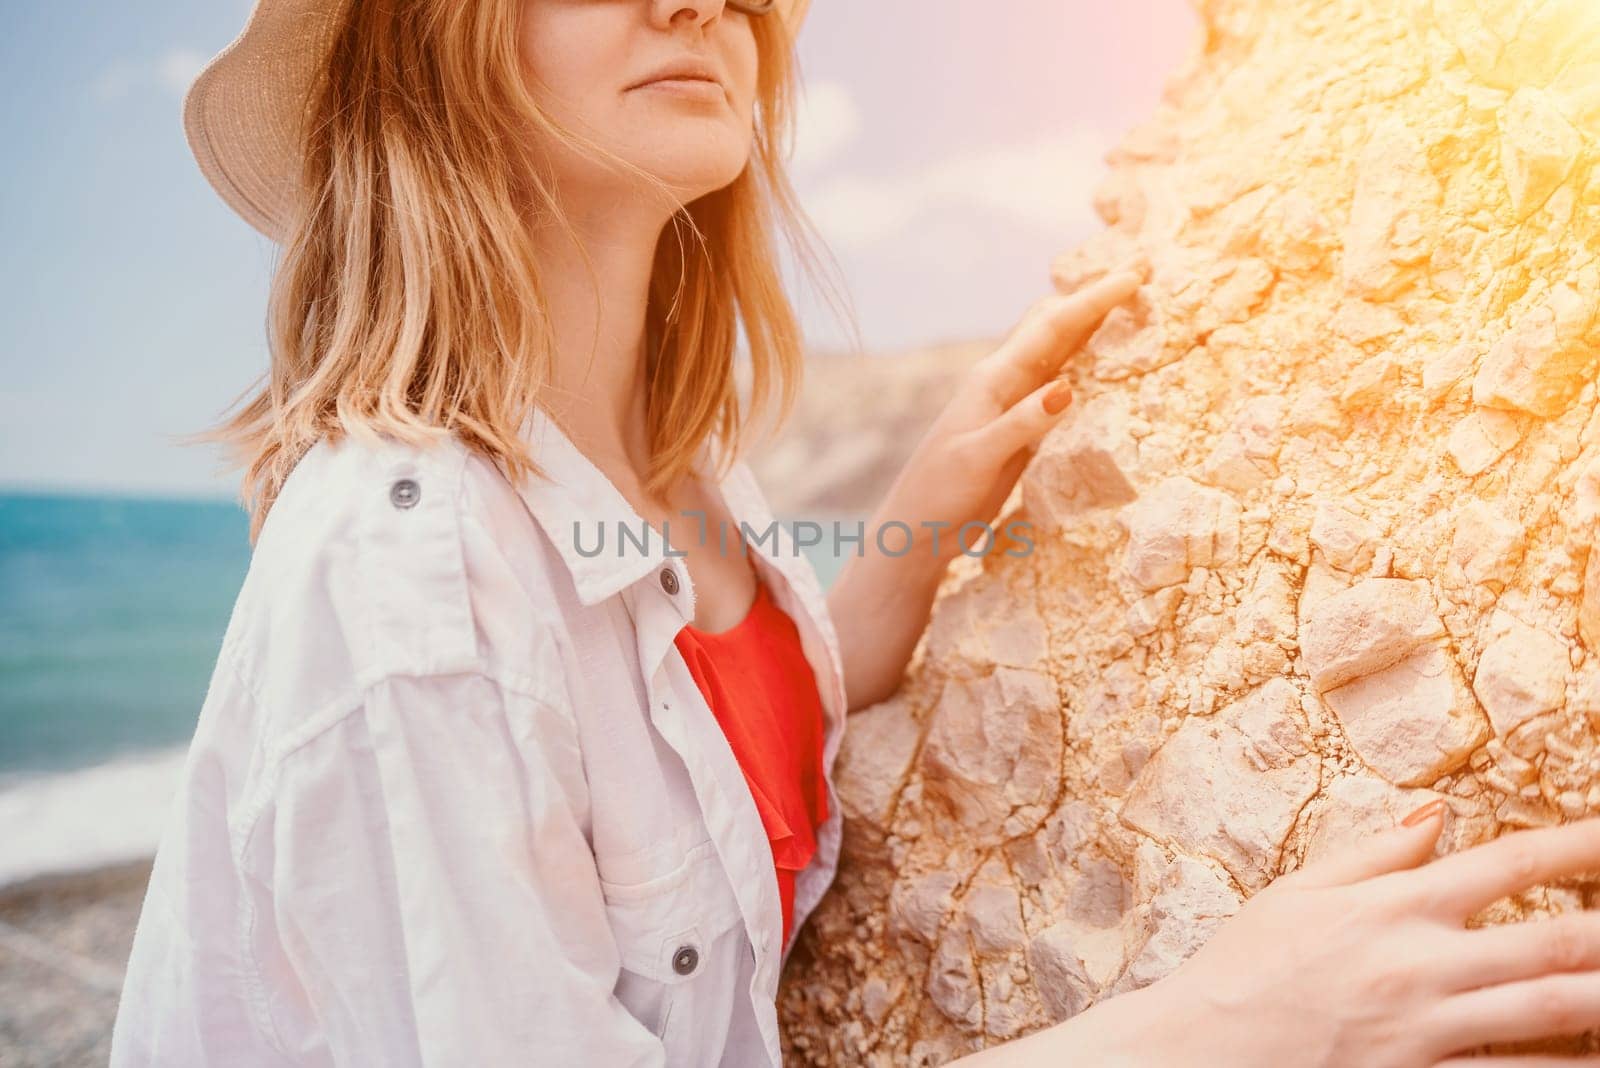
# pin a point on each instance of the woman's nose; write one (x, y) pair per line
(667, 11)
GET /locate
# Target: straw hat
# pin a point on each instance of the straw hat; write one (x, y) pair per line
(241, 112)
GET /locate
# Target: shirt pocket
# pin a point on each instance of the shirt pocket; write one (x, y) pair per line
(679, 938)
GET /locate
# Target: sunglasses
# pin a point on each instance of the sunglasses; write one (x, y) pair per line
(753, 7)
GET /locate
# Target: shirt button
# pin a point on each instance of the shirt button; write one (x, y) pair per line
(669, 580)
(685, 960)
(404, 493)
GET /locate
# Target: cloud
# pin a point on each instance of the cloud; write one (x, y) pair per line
(177, 69)
(827, 122)
(171, 72)
(114, 82)
(1046, 184)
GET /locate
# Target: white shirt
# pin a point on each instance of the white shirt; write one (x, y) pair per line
(447, 805)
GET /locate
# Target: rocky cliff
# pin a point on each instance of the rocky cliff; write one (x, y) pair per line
(1314, 548)
(855, 424)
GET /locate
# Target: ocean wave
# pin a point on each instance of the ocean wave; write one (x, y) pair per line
(66, 821)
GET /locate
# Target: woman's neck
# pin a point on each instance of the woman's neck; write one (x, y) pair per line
(600, 400)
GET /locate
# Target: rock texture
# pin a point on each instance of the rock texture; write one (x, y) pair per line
(1314, 548)
(64, 942)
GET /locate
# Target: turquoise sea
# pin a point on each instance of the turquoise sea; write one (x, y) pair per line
(112, 610)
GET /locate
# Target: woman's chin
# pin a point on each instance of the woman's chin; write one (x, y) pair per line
(692, 179)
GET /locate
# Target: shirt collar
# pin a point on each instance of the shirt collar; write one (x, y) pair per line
(577, 505)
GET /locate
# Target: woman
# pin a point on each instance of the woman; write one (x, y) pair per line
(482, 779)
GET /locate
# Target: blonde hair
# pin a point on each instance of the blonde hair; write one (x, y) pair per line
(408, 301)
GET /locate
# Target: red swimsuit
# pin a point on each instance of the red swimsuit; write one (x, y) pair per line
(762, 690)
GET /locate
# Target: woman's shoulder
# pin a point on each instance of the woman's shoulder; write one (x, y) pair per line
(382, 557)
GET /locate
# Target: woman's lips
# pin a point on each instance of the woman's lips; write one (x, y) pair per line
(693, 88)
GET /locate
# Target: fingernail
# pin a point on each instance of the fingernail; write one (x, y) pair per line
(1428, 811)
(1057, 397)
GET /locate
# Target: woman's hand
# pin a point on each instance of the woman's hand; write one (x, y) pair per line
(1363, 958)
(964, 468)
(961, 472)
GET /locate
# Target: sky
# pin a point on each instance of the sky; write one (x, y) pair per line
(947, 150)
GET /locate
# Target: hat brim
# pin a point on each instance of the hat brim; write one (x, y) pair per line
(241, 114)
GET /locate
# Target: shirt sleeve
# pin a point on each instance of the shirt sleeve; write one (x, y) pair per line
(434, 896)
